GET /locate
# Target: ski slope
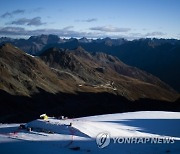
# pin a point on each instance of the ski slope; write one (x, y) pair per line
(54, 136)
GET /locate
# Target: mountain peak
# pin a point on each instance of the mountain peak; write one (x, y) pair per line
(45, 39)
(107, 38)
(84, 40)
(8, 47)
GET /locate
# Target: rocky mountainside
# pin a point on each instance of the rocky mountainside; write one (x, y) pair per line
(160, 57)
(100, 70)
(60, 80)
(23, 74)
(67, 70)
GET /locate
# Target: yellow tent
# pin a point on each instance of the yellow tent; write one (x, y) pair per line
(44, 116)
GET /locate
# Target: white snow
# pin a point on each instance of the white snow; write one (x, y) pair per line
(135, 115)
(56, 136)
(29, 55)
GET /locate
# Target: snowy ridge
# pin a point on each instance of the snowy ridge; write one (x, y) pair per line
(135, 115)
(29, 55)
(79, 135)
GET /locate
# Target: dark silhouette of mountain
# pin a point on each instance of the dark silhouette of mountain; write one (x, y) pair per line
(110, 42)
(61, 80)
(6, 39)
(34, 44)
(85, 40)
(159, 57)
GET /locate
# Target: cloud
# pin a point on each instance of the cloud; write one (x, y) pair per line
(155, 34)
(110, 29)
(10, 14)
(64, 32)
(68, 27)
(7, 14)
(12, 31)
(31, 22)
(18, 11)
(87, 20)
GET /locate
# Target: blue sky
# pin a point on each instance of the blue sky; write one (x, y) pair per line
(91, 18)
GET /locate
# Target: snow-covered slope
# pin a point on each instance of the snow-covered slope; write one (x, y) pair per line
(54, 136)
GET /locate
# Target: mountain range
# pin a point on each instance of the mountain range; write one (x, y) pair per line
(91, 83)
(160, 57)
